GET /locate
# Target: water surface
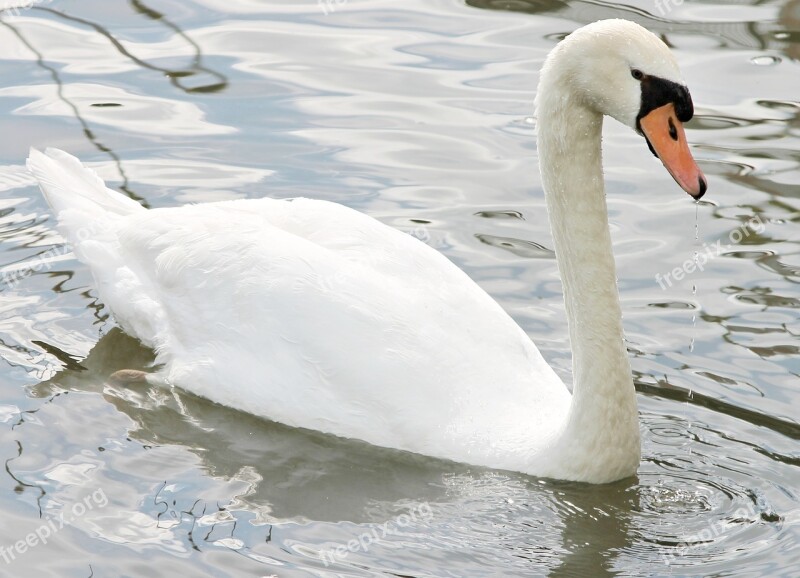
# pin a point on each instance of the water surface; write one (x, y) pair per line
(420, 114)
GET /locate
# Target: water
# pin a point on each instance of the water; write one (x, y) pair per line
(418, 113)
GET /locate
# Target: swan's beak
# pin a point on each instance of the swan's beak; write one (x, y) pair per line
(665, 136)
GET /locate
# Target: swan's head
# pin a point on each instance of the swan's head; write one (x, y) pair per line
(620, 69)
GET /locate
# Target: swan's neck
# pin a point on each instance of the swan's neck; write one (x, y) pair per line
(601, 435)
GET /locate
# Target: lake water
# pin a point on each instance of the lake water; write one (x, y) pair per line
(420, 114)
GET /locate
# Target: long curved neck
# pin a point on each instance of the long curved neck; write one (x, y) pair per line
(603, 412)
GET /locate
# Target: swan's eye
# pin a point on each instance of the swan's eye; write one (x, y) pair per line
(637, 74)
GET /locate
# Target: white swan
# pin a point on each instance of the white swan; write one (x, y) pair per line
(314, 315)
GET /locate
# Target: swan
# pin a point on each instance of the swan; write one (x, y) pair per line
(317, 316)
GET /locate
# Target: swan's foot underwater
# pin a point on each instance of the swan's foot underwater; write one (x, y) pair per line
(125, 377)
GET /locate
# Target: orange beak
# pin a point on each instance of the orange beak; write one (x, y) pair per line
(664, 133)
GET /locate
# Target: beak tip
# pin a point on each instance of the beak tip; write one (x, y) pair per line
(702, 187)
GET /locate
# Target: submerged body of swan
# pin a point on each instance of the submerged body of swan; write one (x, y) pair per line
(314, 315)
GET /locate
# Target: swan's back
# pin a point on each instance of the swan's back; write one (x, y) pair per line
(314, 315)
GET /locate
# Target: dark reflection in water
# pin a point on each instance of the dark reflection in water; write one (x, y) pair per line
(730, 34)
(663, 389)
(87, 131)
(207, 80)
(299, 475)
(777, 120)
(518, 247)
(177, 76)
(22, 485)
(304, 475)
(596, 527)
(289, 460)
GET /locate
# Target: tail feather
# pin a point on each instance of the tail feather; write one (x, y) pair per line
(67, 184)
(90, 217)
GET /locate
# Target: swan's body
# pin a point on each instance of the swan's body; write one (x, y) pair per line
(314, 315)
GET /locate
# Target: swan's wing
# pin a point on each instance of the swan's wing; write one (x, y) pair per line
(315, 315)
(318, 316)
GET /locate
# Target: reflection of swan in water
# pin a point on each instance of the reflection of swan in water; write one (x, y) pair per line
(317, 316)
(299, 475)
